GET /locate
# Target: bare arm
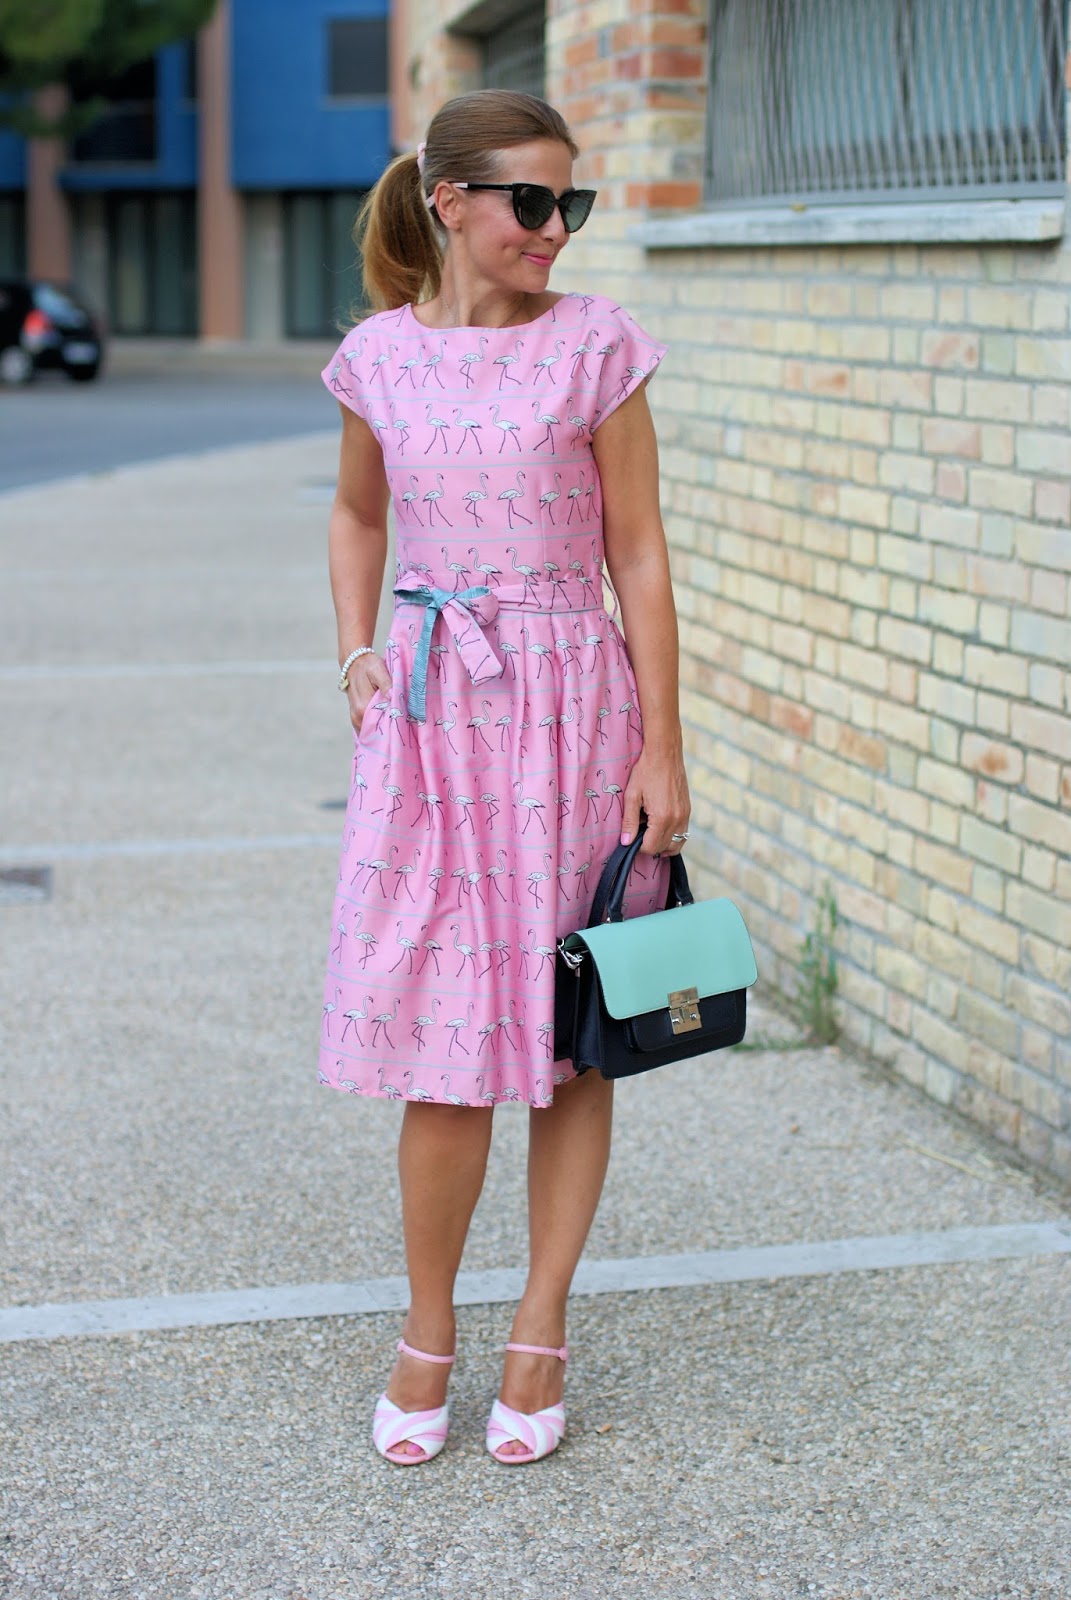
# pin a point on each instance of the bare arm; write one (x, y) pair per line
(637, 560)
(357, 553)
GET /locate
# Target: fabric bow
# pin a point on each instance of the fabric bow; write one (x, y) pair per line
(465, 612)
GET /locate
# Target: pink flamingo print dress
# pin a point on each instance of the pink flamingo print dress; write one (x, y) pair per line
(487, 788)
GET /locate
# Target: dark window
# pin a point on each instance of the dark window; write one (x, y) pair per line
(152, 263)
(323, 270)
(12, 235)
(127, 129)
(871, 99)
(356, 57)
(189, 72)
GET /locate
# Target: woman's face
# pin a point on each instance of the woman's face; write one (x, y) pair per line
(500, 250)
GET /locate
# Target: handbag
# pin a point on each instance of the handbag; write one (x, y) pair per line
(633, 994)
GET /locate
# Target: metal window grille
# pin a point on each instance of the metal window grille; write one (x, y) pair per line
(868, 99)
(514, 55)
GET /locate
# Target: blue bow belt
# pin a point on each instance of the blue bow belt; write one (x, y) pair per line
(466, 612)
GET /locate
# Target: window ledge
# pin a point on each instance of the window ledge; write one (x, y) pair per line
(903, 222)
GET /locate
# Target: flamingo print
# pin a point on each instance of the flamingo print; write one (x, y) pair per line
(470, 429)
(548, 421)
(467, 836)
(439, 429)
(508, 429)
(545, 363)
(584, 349)
(512, 495)
(472, 498)
(432, 365)
(471, 360)
(507, 361)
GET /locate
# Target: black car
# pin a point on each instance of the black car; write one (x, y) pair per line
(46, 325)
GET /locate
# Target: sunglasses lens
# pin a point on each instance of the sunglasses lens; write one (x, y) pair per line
(578, 209)
(533, 205)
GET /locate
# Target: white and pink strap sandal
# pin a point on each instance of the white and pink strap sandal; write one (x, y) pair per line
(393, 1427)
(540, 1432)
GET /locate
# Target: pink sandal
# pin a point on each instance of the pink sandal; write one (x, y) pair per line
(392, 1426)
(540, 1432)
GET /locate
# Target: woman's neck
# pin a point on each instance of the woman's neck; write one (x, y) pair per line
(451, 309)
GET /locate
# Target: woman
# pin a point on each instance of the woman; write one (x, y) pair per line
(500, 752)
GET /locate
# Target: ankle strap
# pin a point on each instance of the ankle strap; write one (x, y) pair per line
(540, 1350)
(422, 1355)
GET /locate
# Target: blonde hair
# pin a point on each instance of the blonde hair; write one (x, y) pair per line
(401, 240)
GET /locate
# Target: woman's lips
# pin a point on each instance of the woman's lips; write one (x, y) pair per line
(543, 261)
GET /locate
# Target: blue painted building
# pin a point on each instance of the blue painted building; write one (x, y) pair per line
(303, 86)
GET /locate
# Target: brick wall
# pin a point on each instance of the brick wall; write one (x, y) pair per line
(866, 459)
(867, 472)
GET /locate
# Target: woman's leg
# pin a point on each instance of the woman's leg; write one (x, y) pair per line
(568, 1153)
(442, 1157)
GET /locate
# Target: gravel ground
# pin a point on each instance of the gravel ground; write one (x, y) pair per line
(895, 1435)
(901, 1436)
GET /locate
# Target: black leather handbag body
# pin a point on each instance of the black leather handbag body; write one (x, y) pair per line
(633, 994)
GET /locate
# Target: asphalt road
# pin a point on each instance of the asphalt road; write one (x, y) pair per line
(56, 429)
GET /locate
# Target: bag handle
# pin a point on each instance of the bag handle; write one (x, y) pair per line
(609, 896)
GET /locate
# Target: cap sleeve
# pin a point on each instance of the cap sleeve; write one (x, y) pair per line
(341, 373)
(634, 357)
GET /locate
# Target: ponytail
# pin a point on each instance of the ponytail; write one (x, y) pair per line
(400, 240)
(401, 256)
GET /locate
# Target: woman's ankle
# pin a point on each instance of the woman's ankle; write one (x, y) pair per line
(434, 1331)
(537, 1321)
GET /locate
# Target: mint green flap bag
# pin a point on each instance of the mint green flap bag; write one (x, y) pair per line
(633, 994)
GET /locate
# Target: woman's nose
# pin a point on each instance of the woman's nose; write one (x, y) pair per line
(553, 230)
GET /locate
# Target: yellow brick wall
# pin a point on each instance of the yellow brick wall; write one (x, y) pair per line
(866, 485)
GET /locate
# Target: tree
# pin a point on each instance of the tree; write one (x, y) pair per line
(82, 45)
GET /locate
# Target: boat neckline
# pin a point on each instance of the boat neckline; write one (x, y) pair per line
(479, 327)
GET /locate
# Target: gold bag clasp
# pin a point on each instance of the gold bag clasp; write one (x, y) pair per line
(684, 1010)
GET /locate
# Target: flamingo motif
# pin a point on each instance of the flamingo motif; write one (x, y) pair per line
(380, 866)
(406, 367)
(507, 361)
(538, 876)
(583, 349)
(432, 497)
(398, 423)
(432, 365)
(468, 953)
(439, 429)
(508, 429)
(546, 362)
(353, 1016)
(409, 947)
(529, 573)
(472, 498)
(470, 361)
(512, 495)
(409, 499)
(470, 429)
(415, 1093)
(550, 422)
(381, 1020)
(548, 497)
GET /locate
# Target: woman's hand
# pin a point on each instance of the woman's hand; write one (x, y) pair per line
(368, 676)
(658, 784)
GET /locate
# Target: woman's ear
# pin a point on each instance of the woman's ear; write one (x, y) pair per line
(448, 206)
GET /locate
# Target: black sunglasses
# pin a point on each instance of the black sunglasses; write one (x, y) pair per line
(533, 203)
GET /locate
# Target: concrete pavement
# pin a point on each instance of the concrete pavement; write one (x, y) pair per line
(175, 750)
